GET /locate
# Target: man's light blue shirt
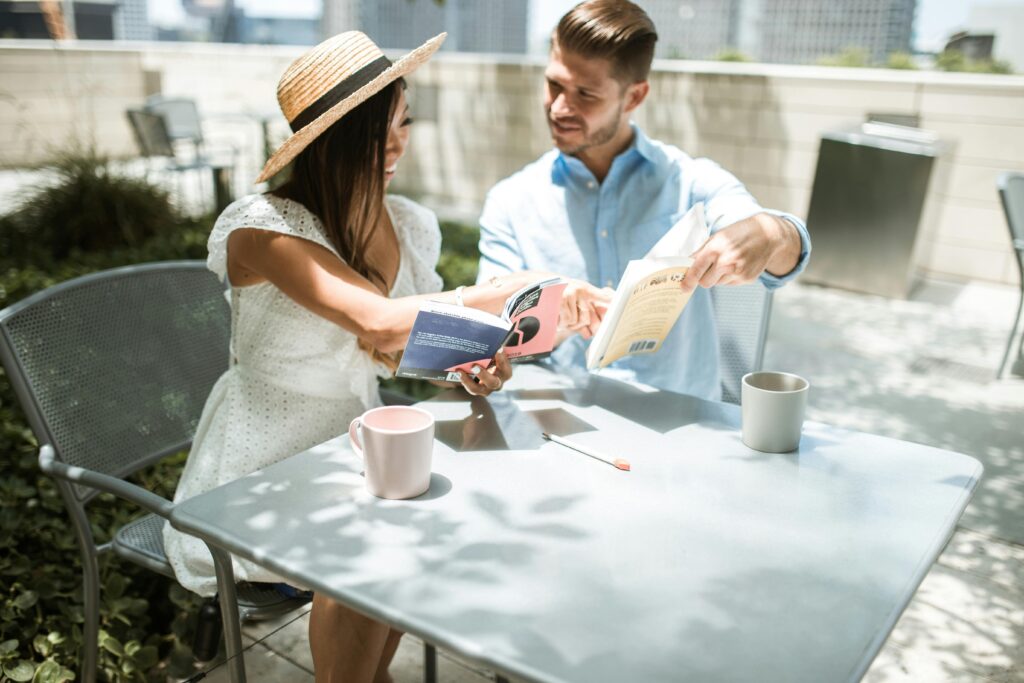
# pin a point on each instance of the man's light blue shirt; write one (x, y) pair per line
(554, 215)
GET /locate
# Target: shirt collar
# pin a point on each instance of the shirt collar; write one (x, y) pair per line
(570, 167)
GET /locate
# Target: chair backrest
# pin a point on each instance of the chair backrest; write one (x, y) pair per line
(1011, 191)
(113, 368)
(151, 134)
(741, 314)
(181, 115)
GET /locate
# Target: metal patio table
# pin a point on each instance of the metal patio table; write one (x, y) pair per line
(707, 561)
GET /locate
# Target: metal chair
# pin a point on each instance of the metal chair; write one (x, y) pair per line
(155, 137)
(112, 370)
(1011, 192)
(181, 117)
(741, 314)
(151, 134)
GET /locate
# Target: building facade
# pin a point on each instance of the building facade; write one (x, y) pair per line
(131, 21)
(472, 25)
(804, 31)
(781, 31)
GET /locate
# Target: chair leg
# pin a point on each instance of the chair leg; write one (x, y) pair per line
(1009, 342)
(229, 614)
(90, 582)
(91, 607)
(429, 663)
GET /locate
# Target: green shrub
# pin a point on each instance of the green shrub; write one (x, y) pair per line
(954, 60)
(459, 254)
(854, 57)
(88, 207)
(901, 60)
(731, 55)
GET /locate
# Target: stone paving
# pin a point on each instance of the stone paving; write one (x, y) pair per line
(921, 370)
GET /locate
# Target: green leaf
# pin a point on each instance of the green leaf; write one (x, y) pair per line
(114, 586)
(42, 645)
(132, 647)
(8, 646)
(25, 600)
(147, 657)
(48, 672)
(112, 645)
(21, 670)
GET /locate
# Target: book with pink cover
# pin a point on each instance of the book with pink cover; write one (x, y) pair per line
(534, 318)
(446, 338)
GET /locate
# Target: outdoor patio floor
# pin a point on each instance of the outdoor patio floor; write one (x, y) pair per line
(920, 370)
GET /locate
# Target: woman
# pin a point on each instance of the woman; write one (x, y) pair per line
(327, 275)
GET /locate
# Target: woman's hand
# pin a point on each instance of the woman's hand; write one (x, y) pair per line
(583, 307)
(483, 381)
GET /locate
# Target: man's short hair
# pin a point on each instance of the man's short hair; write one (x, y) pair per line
(616, 30)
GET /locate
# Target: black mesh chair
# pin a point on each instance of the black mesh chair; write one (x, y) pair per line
(741, 314)
(1011, 192)
(112, 370)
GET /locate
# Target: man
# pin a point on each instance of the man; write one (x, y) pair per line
(606, 193)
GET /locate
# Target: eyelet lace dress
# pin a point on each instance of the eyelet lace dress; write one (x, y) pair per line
(296, 379)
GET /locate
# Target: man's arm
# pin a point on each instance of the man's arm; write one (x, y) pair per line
(763, 244)
(754, 242)
(499, 250)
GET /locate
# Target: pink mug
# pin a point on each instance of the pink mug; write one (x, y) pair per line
(396, 444)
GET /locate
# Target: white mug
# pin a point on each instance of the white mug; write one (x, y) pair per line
(773, 405)
(396, 444)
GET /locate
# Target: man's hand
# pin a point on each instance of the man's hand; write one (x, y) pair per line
(739, 253)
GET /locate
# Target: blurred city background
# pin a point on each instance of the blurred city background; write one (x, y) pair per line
(125, 125)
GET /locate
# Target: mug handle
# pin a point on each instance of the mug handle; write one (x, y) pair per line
(353, 430)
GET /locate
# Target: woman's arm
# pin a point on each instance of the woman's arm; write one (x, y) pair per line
(317, 280)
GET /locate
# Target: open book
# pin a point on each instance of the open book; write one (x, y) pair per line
(649, 298)
(446, 338)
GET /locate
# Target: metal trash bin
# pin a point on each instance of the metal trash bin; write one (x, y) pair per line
(869, 193)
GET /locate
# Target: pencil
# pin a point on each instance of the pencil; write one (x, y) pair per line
(620, 463)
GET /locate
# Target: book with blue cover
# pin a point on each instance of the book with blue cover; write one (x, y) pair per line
(446, 338)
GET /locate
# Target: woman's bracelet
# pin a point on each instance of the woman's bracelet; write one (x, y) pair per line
(458, 295)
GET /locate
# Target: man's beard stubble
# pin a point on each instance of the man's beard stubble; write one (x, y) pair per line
(599, 137)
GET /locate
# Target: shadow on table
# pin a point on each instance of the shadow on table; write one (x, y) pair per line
(498, 424)
(660, 411)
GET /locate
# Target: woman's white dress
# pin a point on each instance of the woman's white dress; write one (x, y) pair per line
(296, 379)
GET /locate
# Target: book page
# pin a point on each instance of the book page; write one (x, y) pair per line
(685, 237)
(651, 303)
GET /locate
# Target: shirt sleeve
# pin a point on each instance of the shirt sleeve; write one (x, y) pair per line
(499, 249)
(727, 201)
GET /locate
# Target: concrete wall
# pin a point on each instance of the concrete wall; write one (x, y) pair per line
(479, 118)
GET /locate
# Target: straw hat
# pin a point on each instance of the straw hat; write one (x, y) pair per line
(331, 80)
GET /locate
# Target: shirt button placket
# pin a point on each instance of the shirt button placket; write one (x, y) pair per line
(605, 246)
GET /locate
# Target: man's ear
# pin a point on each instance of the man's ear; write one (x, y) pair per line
(636, 93)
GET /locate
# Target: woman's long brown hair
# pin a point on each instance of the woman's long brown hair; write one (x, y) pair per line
(339, 177)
